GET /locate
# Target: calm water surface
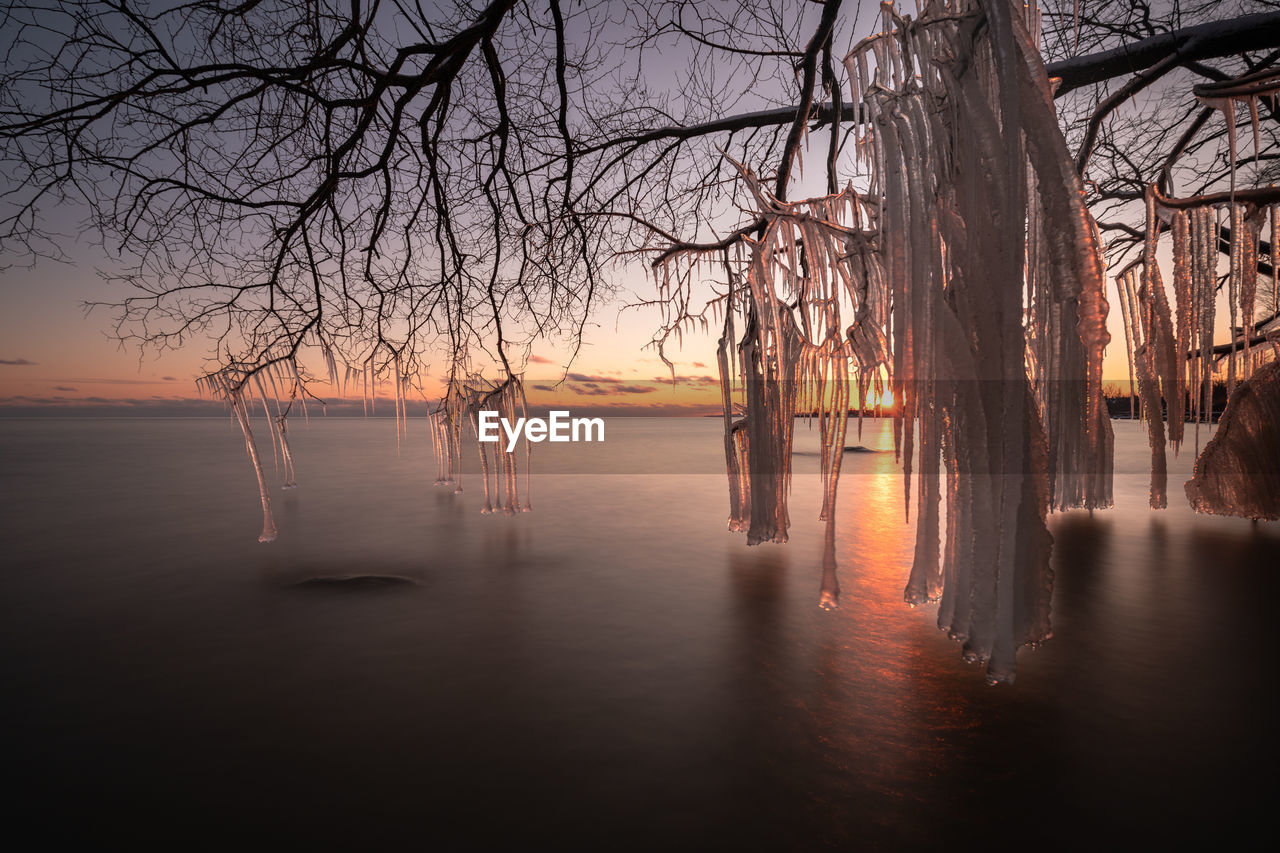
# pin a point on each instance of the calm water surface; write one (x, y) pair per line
(612, 671)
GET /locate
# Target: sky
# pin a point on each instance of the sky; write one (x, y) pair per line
(56, 354)
(57, 357)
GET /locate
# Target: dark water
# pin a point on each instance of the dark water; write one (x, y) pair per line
(612, 671)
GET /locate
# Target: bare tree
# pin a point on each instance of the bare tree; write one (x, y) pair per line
(391, 181)
(385, 181)
(352, 175)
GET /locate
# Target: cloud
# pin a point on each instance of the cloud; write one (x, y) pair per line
(92, 380)
(583, 377)
(599, 386)
(168, 379)
(687, 380)
(17, 362)
(603, 388)
(595, 385)
(63, 388)
(24, 406)
(537, 359)
(699, 364)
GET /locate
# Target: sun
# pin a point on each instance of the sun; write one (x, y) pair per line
(880, 399)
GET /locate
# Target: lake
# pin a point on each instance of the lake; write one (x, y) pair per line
(614, 670)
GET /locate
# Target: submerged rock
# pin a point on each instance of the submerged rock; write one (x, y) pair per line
(355, 582)
(1238, 472)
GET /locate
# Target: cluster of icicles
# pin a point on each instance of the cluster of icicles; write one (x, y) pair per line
(1172, 357)
(279, 380)
(998, 387)
(279, 384)
(999, 402)
(463, 402)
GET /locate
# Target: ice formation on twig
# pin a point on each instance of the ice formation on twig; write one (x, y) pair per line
(237, 386)
(463, 401)
(282, 431)
(973, 277)
(280, 379)
(978, 193)
(446, 437)
(1179, 363)
(1149, 340)
(805, 299)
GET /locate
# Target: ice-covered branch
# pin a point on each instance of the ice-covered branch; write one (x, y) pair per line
(1204, 41)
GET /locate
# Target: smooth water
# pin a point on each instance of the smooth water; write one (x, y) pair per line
(614, 670)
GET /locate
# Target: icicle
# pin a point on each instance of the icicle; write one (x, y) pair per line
(1140, 305)
(436, 424)
(1248, 284)
(739, 497)
(1127, 316)
(1234, 284)
(1208, 270)
(528, 453)
(282, 429)
(235, 396)
(484, 468)
(266, 411)
(396, 387)
(299, 386)
(1182, 260)
(829, 595)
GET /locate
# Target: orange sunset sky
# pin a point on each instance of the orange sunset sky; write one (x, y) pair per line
(55, 356)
